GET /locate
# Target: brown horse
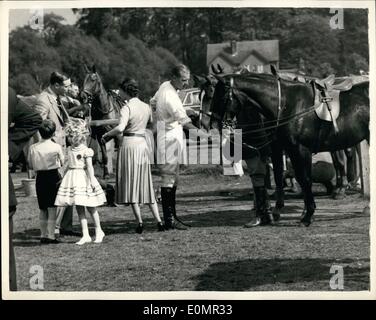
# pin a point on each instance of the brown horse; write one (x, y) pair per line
(293, 126)
(104, 106)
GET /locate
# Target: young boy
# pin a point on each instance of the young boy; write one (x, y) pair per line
(45, 158)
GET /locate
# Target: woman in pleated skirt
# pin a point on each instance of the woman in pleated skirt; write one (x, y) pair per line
(134, 184)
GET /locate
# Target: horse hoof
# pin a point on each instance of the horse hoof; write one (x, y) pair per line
(276, 214)
(306, 220)
(339, 195)
(305, 223)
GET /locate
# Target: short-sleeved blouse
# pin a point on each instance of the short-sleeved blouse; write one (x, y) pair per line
(134, 116)
(77, 156)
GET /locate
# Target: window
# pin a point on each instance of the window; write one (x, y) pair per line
(188, 99)
(260, 68)
(196, 98)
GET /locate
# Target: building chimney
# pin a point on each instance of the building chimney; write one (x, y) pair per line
(233, 47)
(301, 64)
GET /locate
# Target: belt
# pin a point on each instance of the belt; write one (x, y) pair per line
(133, 134)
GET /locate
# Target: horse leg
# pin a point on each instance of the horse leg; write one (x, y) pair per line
(338, 158)
(352, 172)
(277, 160)
(104, 159)
(92, 144)
(301, 159)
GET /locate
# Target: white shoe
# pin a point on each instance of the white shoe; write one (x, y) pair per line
(57, 232)
(99, 237)
(84, 240)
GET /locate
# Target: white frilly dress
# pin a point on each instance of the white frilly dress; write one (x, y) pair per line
(75, 188)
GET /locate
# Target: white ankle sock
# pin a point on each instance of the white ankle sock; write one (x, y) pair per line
(99, 235)
(85, 233)
(43, 224)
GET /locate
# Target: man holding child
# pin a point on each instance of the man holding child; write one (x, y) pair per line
(50, 106)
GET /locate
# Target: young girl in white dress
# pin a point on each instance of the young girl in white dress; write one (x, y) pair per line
(79, 187)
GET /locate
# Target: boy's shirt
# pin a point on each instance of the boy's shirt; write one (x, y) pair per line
(45, 155)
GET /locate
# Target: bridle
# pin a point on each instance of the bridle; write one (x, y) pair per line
(233, 93)
(91, 96)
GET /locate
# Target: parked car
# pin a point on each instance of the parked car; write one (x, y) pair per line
(191, 101)
(192, 105)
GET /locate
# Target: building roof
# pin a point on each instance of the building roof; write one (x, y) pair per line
(267, 50)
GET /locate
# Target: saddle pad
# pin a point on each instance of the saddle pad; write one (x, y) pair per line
(321, 108)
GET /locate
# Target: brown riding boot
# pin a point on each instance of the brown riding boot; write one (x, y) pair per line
(177, 224)
(262, 213)
(167, 207)
(169, 211)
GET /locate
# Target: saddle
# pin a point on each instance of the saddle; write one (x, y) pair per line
(327, 91)
(331, 83)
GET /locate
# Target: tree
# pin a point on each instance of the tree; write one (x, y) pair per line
(30, 54)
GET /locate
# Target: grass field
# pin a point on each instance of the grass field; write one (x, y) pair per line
(216, 254)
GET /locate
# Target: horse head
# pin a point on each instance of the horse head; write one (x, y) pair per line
(92, 83)
(206, 84)
(221, 113)
(246, 94)
(94, 92)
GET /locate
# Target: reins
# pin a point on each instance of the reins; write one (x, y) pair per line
(272, 124)
(101, 93)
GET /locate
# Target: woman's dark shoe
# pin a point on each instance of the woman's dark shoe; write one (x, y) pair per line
(49, 241)
(140, 228)
(161, 226)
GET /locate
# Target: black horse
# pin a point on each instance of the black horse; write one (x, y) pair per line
(104, 106)
(291, 123)
(344, 161)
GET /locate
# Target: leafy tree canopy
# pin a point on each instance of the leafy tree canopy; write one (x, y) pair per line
(144, 42)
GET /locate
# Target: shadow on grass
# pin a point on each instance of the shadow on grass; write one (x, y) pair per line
(119, 227)
(27, 238)
(31, 238)
(230, 194)
(231, 218)
(244, 275)
(290, 216)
